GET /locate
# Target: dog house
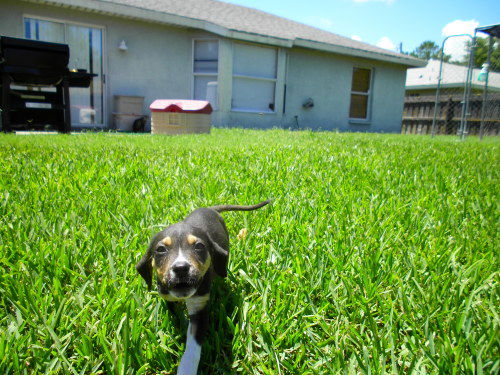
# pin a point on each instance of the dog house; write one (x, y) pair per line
(180, 116)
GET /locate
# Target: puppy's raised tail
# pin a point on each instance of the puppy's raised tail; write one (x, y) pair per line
(234, 207)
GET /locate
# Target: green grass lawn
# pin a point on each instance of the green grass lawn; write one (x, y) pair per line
(379, 254)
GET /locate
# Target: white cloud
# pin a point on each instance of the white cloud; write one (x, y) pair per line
(460, 27)
(456, 46)
(356, 37)
(386, 43)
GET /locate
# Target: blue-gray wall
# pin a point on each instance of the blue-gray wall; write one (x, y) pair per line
(326, 78)
(158, 64)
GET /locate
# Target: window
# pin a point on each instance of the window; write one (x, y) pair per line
(86, 52)
(254, 78)
(205, 70)
(48, 31)
(360, 93)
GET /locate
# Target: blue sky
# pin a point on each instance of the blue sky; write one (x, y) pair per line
(386, 22)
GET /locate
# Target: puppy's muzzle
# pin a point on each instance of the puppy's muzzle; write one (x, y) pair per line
(181, 269)
(181, 280)
(182, 275)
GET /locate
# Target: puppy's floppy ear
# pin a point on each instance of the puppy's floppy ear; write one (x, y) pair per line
(145, 268)
(220, 258)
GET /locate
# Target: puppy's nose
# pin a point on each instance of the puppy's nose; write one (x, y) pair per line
(180, 268)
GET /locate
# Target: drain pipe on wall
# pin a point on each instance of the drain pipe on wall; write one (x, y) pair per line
(287, 60)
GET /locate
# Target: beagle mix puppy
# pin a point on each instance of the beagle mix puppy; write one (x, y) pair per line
(184, 258)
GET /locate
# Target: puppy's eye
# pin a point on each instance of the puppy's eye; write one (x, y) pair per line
(161, 249)
(199, 246)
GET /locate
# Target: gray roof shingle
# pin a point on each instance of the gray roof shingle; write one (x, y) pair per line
(253, 21)
(238, 22)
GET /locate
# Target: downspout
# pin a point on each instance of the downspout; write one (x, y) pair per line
(283, 118)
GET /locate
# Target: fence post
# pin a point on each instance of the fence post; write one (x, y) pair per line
(437, 101)
(468, 84)
(485, 92)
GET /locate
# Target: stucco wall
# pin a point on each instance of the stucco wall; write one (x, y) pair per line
(158, 64)
(326, 78)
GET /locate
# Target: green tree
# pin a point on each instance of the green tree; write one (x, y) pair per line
(481, 53)
(428, 50)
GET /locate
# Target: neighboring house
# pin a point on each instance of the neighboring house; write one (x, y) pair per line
(263, 68)
(424, 80)
(420, 98)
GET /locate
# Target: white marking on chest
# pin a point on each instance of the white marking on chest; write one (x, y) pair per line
(172, 298)
(172, 295)
(195, 304)
(191, 357)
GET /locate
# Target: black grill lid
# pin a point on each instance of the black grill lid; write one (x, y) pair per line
(33, 53)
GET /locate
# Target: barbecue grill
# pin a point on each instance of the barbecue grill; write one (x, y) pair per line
(27, 69)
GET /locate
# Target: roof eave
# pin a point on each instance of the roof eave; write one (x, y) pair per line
(410, 61)
(131, 12)
(125, 11)
(259, 38)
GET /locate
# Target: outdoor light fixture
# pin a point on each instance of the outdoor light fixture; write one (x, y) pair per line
(122, 46)
(481, 77)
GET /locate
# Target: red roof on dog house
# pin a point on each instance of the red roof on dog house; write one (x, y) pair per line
(181, 106)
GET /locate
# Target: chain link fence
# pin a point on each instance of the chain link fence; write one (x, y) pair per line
(455, 99)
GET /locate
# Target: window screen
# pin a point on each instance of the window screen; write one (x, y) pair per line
(205, 68)
(254, 61)
(251, 94)
(206, 56)
(47, 31)
(254, 78)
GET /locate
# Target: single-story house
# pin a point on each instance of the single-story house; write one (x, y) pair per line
(420, 99)
(264, 70)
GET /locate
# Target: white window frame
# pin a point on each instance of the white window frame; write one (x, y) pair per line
(257, 78)
(367, 119)
(65, 22)
(205, 74)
